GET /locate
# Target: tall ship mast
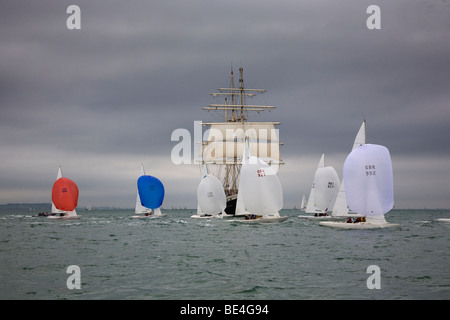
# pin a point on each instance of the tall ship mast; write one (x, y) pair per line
(223, 149)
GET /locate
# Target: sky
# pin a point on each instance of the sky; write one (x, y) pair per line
(102, 99)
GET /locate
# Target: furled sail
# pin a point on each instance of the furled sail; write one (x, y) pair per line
(369, 180)
(225, 142)
(151, 191)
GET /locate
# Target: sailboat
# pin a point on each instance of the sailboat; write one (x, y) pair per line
(340, 208)
(64, 198)
(369, 187)
(303, 203)
(210, 197)
(150, 197)
(223, 148)
(323, 192)
(260, 197)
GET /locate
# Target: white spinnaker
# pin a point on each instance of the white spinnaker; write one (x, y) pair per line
(211, 196)
(369, 181)
(327, 184)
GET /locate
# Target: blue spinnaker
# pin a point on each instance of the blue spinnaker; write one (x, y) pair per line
(151, 191)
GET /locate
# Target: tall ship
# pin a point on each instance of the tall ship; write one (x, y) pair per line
(222, 150)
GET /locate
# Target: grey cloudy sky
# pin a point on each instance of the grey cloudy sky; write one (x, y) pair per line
(103, 99)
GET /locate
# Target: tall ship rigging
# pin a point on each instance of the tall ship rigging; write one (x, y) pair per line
(222, 151)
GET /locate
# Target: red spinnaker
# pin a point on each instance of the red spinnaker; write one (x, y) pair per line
(65, 194)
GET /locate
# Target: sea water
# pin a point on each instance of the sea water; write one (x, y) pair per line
(177, 257)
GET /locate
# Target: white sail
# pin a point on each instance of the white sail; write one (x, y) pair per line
(139, 208)
(340, 207)
(324, 188)
(369, 182)
(210, 196)
(71, 214)
(360, 136)
(54, 209)
(204, 172)
(261, 188)
(225, 142)
(240, 203)
(303, 204)
(310, 208)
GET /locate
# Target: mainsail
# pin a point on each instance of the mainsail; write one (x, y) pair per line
(139, 208)
(303, 203)
(340, 207)
(222, 150)
(54, 209)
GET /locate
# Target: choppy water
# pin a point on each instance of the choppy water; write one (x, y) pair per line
(177, 257)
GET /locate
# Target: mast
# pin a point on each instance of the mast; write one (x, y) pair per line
(227, 150)
(241, 88)
(234, 94)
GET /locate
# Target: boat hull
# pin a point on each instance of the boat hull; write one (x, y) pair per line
(264, 220)
(320, 218)
(152, 216)
(358, 225)
(231, 206)
(63, 218)
(197, 216)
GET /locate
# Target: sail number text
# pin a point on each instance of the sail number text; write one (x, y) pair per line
(370, 170)
(261, 173)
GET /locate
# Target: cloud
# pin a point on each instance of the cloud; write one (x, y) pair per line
(105, 98)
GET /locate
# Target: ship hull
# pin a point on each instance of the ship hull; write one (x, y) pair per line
(231, 206)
